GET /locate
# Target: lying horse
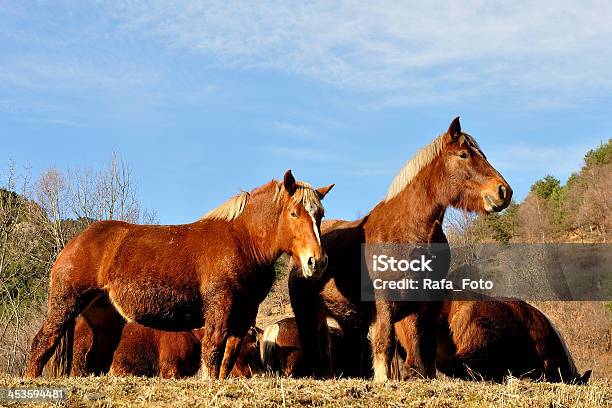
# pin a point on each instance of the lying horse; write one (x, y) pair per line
(491, 339)
(147, 352)
(281, 352)
(212, 273)
(450, 172)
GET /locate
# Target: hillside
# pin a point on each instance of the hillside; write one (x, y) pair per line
(578, 211)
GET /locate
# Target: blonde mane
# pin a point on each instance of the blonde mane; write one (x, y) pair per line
(232, 208)
(421, 159)
(229, 210)
(304, 194)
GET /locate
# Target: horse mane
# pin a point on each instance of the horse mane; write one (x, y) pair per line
(229, 210)
(421, 159)
(232, 208)
(304, 194)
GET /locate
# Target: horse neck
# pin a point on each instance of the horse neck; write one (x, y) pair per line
(259, 223)
(414, 215)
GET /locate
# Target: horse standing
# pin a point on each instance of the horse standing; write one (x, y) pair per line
(212, 273)
(451, 171)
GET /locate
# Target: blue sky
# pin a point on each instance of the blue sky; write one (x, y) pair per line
(204, 100)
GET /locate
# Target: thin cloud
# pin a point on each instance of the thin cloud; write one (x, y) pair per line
(294, 131)
(427, 51)
(538, 160)
(44, 74)
(304, 154)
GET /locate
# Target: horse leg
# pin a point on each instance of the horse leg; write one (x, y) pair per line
(427, 321)
(408, 338)
(215, 336)
(65, 304)
(169, 368)
(382, 341)
(351, 353)
(232, 349)
(239, 323)
(420, 340)
(106, 327)
(309, 317)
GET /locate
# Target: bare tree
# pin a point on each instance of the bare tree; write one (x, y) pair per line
(589, 206)
(109, 194)
(15, 274)
(535, 220)
(51, 194)
(36, 222)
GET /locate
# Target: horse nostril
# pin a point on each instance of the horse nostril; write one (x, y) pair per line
(311, 262)
(502, 192)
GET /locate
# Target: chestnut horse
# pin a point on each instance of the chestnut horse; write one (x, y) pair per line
(451, 171)
(212, 273)
(281, 352)
(147, 352)
(491, 339)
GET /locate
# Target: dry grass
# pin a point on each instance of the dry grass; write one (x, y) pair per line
(587, 330)
(110, 391)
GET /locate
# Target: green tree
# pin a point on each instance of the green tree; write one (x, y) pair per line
(501, 227)
(546, 187)
(600, 155)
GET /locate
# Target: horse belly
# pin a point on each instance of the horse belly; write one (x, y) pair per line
(340, 307)
(159, 306)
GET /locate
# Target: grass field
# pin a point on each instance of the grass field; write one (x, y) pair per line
(108, 391)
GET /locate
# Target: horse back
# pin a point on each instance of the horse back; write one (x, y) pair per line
(484, 339)
(550, 345)
(88, 254)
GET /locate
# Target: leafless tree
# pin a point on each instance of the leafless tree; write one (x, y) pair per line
(109, 194)
(51, 193)
(14, 294)
(36, 222)
(589, 206)
(534, 220)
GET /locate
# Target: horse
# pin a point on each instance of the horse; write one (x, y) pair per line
(97, 334)
(210, 274)
(281, 351)
(450, 172)
(146, 352)
(490, 339)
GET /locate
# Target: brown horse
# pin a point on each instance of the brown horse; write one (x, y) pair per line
(491, 339)
(97, 334)
(451, 171)
(281, 352)
(147, 352)
(212, 273)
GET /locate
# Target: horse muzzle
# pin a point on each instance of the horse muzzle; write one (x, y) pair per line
(313, 268)
(498, 198)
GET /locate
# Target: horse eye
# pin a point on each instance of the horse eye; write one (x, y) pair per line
(464, 155)
(293, 214)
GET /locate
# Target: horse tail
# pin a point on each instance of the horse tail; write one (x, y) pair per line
(269, 355)
(61, 361)
(563, 369)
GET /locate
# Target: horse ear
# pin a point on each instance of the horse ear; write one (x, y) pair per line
(289, 183)
(454, 130)
(322, 191)
(585, 377)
